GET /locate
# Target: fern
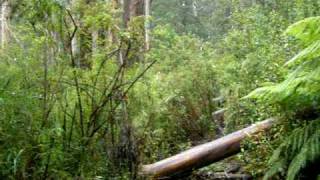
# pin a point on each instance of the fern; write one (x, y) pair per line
(294, 154)
(303, 83)
(301, 87)
(307, 30)
(308, 153)
(277, 167)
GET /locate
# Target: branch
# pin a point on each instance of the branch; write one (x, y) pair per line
(124, 94)
(109, 55)
(76, 81)
(74, 24)
(138, 77)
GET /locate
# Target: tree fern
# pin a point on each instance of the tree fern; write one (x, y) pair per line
(307, 30)
(303, 82)
(300, 88)
(294, 154)
(308, 153)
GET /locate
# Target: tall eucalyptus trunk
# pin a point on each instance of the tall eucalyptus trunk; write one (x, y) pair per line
(5, 14)
(95, 39)
(132, 8)
(147, 24)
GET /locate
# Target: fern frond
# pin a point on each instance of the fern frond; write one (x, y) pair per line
(279, 167)
(309, 153)
(310, 52)
(302, 83)
(299, 149)
(307, 30)
(301, 87)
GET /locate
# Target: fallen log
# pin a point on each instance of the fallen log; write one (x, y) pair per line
(223, 175)
(230, 176)
(204, 154)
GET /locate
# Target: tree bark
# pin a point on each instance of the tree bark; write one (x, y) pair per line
(147, 24)
(132, 8)
(5, 13)
(205, 154)
(95, 39)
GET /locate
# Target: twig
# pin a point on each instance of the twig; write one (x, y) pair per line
(139, 76)
(74, 72)
(123, 95)
(74, 24)
(113, 84)
(112, 53)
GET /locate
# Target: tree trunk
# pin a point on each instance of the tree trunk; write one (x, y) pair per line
(5, 13)
(95, 39)
(147, 24)
(205, 154)
(132, 8)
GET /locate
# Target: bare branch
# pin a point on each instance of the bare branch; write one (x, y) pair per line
(74, 24)
(123, 95)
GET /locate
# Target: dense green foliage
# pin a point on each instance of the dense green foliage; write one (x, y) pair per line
(301, 84)
(300, 88)
(81, 98)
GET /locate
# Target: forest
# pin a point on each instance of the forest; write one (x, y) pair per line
(160, 89)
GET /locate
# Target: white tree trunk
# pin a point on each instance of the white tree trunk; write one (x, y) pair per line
(95, 38)
(194, 8)
(147, 24)
(5, 12)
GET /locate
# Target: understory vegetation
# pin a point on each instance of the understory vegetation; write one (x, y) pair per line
(95, 89)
